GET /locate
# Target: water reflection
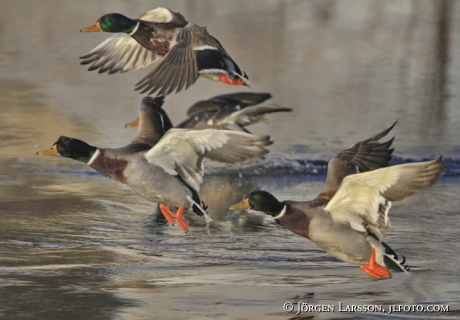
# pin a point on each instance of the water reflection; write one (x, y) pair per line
(111, 246)
(57, 296)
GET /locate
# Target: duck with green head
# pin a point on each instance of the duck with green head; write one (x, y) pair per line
(164, 166)
(186, 50)
(349, 217)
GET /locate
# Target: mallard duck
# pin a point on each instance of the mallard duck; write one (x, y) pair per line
(153, 121)
(350, 216)
(186, 50)
(171, 172)
(228, 111)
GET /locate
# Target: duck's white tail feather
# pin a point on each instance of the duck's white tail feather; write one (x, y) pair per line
(392, 261)
(206, 215)
(400, 264)
(246, 81)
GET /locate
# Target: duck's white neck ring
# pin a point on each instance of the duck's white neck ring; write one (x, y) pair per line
(135, 29)
(95, 155)
(281, 213)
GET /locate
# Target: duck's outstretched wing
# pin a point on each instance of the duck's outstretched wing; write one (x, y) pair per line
(178, 69)
(363, 200)
(229, 118)
(231, 101)
(250, 115)
(366, 155)
(182, 152)
(246, 97)
(195, 52)
(119, 53)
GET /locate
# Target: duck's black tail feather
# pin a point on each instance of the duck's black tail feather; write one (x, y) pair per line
(200, 210)
(197, 200)
(393, 262)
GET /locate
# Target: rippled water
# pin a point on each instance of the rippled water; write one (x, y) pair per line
(76, 245)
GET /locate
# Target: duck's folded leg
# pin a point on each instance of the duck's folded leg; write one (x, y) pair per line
(164, 208)
(180, 219)
(374, 269)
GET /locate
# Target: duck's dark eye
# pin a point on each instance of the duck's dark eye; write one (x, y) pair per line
(109, 19)
(257, 196)
(66, 142)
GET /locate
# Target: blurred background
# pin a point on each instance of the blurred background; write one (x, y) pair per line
(347, 68)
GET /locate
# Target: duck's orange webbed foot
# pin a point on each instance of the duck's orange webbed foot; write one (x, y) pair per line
(180, 219)
(234, 82)
(374, 269)
(164, 208)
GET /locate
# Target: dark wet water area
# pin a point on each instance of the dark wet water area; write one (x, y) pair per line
(76, 245)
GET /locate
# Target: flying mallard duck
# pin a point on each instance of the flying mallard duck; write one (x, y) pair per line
(349, 217)
(171, 172)
(187, 51)
(228, 111)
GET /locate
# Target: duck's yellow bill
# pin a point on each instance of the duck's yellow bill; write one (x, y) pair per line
(49, 152)
(132, 124)
(241, 205)
(94, 28)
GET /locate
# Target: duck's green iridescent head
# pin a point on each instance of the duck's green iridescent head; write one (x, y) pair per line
(70, 148)
(112, 22)
(260, 201)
